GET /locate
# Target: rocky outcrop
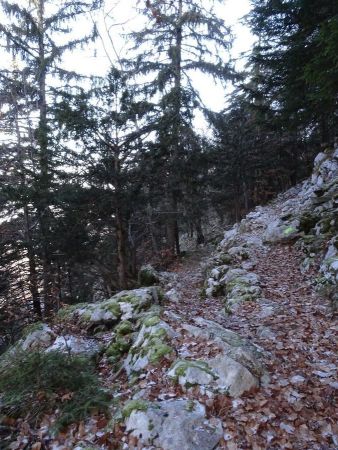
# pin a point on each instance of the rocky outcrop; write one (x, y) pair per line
(75, 345)
(174, 425)
(230, 270)
(151, 344)
(217, 375)
(123, 306)
(306, 214)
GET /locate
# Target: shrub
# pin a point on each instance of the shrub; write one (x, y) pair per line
(37, 383)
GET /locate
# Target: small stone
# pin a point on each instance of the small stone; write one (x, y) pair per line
(297, 379)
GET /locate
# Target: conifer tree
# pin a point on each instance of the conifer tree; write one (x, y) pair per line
(38, 33)
(297, 55)
(180, 38)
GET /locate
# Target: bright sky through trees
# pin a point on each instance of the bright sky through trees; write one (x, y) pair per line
(123, 19)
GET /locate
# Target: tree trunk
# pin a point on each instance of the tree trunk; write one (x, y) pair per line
(32, 276)
(121, 249)
(174, 176)
(200, 236)
(44, 161)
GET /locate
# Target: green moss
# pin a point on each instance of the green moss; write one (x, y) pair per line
(190, 406)
(227, 310)
(147, 276)
(184, 364)
(203, 293)
(118, 348)
(237, 282)
(127, 298)
(158, 351)
(289, 230)
(37, 326)
(114, 308)
(86, 316)
(160, 295)
(67, 311)
(123, 328)
(134, 405)
(151, 321)
(225, 258)
(308, 222)
(160, 333)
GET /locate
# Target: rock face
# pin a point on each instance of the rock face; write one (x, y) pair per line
(328, 284)
(175, 425)
(307, 213)
(40, 337)
(124, 305)
(74, 345)
(221, 374)
(150, 345)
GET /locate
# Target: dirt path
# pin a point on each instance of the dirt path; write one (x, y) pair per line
(296, 410)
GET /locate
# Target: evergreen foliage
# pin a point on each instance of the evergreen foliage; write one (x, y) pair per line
(297, 59)
(101, 176)
(37, 383)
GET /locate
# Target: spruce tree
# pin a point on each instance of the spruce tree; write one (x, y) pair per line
(180, 38)
(38, 33)
(296, 52)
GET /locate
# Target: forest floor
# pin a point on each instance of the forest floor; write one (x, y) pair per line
(297, 409)
(294, 329)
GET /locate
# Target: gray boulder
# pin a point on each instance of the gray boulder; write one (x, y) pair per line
(173, 296)
(150, 345)
(279, 231)
(221, 374)
(38, 336)
(122, 306)
(75, 345)
(175, 425)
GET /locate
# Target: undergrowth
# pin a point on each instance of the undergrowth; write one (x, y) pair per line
(34, 384)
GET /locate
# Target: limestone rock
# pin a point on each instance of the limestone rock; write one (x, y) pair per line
(220, 374)
(41, 336)
(173, 296)
(122, 306)
(175, 425)
(150, 346)
(278, 231)
(232, 344)
(328, 284)
(75, 345)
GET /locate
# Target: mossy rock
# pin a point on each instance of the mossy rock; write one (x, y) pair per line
(181, 365)
(114, 308)
(225, 258)
(151, 321)
(118, 348)
(158, 351)
(148, 276)
(134, 405)
(37, 326)
(123, 328)
(67, 311)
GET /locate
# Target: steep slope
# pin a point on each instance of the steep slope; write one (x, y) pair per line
(236, 350)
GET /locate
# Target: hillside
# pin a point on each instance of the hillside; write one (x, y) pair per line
(233, 350)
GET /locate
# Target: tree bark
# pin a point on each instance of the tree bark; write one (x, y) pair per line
(32, 276)
(174, 177)
(44, 162)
